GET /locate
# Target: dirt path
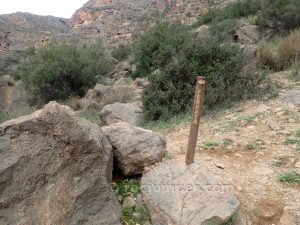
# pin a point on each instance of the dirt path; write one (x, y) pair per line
(251, 145)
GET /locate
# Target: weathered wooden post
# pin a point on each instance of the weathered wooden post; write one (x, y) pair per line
(197, 111)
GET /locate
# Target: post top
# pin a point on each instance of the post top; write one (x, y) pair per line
(200, 78)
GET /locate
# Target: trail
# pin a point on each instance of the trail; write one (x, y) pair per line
(251, 145)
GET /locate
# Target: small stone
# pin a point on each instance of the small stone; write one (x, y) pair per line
(239, 189)
(120, 198)
(262, 108)
(207, 158)
(274, 125)
(220, 165)
(281, 113)
(128, 202)
(297, 165)
(139, 200)
(292, 120)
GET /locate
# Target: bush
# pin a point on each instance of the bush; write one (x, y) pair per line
(282, 52)
(122, 52)
(157, 47)
(280, 15)
(171, 90)
(223, 31)
(233, 10)
(63, 70)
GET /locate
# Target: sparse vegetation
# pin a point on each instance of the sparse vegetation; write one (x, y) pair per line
(9, 116)
(63, 70)
(208, 145)
(234, 10)
(290, 177)
(92, 116)
(281, 52)
(294, 140)
(138, 214)
(280, 15)
(121, 52)
(257, 144)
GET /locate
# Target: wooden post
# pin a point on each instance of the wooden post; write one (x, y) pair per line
(197, 111)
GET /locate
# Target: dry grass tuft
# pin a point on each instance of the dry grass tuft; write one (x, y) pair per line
(282, 52)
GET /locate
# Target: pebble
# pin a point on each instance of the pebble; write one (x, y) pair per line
(220, 165)
(297, 165)
(239, 189)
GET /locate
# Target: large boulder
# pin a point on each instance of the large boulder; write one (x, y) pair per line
(122, 112)
(98, 97)
(134, 148)
(177, 194)
(55, 169)
(13, 96)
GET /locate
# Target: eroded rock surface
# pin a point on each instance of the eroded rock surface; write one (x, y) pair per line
(122, 112)
(55, 169)
(178, 195)
(134, 148)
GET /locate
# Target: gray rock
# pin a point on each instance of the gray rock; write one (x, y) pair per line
(122, 112)
(134, 148)
(98, 97)
(178, 194)
(291, 99)
(262, 108)
(248, 34)
(55, 168)
(13, 96)
(128, 202)
(140, 83)
(122, 66)
(290, 216)
(274, 125)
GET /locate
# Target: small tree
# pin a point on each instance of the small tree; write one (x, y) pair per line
(63, 70)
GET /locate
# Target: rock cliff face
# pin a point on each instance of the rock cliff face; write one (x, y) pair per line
(21, 31)
(116, 21)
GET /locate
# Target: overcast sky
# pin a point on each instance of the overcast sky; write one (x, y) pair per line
(58, 8)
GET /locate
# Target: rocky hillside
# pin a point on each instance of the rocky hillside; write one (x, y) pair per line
(19, 31)
(116, 21)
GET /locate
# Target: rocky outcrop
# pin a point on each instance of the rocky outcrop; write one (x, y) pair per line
(248, 34)
(98, 97)
(55, 169)
(116, 21)
(134, 148)
(13, 96)
(122, 112)
(22, 31)
(178, 194)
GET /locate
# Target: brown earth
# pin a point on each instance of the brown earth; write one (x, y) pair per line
(245, 145)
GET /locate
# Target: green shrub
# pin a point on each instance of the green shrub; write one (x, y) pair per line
(157, 47)
(171, 90)
(233, 10)
(121, 52)
(63, 70)
(223, 31)
(280, 15)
